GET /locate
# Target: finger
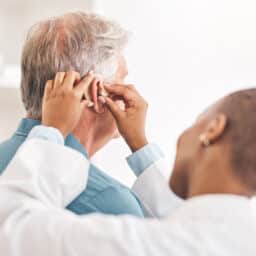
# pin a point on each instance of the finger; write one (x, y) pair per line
(82, 87)
(102, 90)
(114, 87)
(120, 90)
(113, 108)
(59, 79)
(48, 88)
(101, 104)
(70, 79)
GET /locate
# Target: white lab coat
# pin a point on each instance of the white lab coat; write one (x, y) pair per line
(154, 193)
(33, 220)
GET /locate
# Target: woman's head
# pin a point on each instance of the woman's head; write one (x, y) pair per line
(217, 154)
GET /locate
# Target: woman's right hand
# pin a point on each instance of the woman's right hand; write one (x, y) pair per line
(131, 120)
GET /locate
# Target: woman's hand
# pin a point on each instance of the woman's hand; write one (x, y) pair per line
(131, 120)
(64, 100)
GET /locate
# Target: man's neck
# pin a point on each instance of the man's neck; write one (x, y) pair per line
(29, 116)
(91, 141)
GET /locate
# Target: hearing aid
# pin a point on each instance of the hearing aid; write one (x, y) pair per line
(94, 90)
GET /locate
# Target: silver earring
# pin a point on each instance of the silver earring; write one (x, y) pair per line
(204, 140)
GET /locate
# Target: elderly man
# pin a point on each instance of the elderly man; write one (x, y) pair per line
(216, 175)
(81, 42)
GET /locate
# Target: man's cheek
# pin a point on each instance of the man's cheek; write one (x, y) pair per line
(115, 132)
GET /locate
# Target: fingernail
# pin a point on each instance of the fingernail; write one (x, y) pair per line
(91, 72)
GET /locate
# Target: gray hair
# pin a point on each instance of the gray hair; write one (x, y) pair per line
(74, 41)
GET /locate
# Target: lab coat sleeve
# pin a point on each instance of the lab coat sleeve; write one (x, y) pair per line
(54, 173)
(152, 188)
(148, 164)
(39, 182)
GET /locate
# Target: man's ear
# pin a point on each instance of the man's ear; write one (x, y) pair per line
(96, 86)
(215, 128)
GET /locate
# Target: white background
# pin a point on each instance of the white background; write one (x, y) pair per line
(183, 55)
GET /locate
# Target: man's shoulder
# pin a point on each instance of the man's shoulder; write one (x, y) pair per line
(114, 200)
(101, 180)
(118, 200)
(8, 149)
(106, 195)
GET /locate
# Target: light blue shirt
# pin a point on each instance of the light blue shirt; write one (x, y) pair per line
(103, 193)
(139, 161)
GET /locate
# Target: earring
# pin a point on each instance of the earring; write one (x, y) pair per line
(205, 141)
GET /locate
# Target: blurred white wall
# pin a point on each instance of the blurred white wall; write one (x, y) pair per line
(11, 111)
(17, 16)
(183, 55)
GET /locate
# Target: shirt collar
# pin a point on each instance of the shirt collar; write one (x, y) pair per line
(73, 142)
(26, 125)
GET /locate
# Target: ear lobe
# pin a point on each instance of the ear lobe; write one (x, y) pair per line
(216, 128)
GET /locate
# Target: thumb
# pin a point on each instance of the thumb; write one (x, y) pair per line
(48, 88)
(112, 106)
